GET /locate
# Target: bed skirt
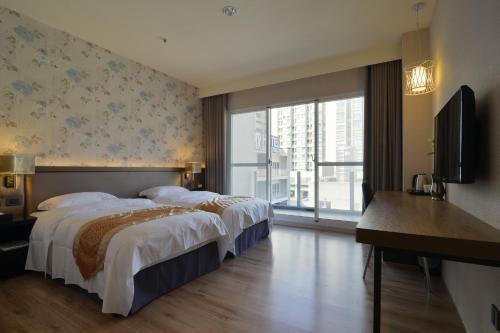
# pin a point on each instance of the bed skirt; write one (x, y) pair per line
(152, 282)
(251, 236)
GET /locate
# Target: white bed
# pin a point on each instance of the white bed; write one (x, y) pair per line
(129, 251)
(236, 217)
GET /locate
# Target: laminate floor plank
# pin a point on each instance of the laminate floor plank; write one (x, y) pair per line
(300, 281)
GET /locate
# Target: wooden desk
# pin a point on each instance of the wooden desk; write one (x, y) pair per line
(424, 227)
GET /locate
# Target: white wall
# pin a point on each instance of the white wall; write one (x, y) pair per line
(465, 44)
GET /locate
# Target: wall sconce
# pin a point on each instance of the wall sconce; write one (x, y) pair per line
(13, 165)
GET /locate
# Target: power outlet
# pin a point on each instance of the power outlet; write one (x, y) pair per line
(495, 317)
(12, 201)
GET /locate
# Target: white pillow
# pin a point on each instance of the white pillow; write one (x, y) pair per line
(163, 191)
(74, 199)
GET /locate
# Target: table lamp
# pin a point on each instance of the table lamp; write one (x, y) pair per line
(192, 168)
(13, 165)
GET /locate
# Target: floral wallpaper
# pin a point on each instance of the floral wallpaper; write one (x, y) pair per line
(73, 103)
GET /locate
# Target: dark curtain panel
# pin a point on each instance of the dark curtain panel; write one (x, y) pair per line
(214, 139)
(383, 143)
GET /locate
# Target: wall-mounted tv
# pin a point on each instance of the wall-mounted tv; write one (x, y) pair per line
(454, 134)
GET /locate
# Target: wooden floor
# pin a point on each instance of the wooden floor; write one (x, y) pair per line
(298, 281)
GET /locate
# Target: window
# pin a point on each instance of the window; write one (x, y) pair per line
(340, 160)
(249, 154)
(320, 172)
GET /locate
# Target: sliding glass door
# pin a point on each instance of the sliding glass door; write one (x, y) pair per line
(340, 157)
(249, 154)
(307, 158)
(292, 135)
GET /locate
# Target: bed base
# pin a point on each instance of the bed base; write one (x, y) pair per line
(251, 236)
(157, 280)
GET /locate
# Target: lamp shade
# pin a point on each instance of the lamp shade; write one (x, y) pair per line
(193, 167)
(419, 78)
(17, 164)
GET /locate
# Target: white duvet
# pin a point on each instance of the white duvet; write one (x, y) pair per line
(130, 250)
(237, 217)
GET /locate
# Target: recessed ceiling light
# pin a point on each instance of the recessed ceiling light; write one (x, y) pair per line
(229, 10)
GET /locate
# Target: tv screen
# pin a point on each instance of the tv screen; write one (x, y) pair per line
(454, 135)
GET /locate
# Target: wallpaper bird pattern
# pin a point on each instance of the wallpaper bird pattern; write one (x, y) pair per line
(71, 102)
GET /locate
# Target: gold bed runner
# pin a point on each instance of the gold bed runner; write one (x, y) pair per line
(217, 205)
(91, 241)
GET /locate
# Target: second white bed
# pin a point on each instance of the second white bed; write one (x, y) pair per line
(236, 217)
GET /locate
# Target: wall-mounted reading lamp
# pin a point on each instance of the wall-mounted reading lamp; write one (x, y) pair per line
(13, 165)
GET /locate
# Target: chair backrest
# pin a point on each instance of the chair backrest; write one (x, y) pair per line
(367, 195)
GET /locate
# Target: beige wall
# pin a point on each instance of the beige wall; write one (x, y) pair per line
(343, 83)
(465, 43)
(322, 66)
(417, 110)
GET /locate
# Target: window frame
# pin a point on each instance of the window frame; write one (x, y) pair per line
(268, 164)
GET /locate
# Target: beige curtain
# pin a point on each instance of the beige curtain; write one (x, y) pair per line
(382, 169)
(214, 139)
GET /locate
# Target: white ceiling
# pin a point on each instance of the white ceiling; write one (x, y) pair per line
(205, 48)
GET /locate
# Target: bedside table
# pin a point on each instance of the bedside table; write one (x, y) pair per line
(14, 240)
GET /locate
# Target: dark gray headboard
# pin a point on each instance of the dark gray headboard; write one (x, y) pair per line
(123, 182)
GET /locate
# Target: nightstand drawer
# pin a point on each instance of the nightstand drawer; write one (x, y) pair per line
(13, 260)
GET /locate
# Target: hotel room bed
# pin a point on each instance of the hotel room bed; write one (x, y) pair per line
(248, 220)
(142, 261)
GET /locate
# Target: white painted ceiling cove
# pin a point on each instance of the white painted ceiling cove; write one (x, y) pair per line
(204, 47)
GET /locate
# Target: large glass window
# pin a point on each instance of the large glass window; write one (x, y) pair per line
(249, 154)
(340, 156)
(249, 181)
(249, 137)
(306, 157)
(292, 132)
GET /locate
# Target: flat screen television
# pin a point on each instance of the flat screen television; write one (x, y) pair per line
(454, 135)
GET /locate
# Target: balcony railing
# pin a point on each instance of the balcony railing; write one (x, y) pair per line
(338, 192)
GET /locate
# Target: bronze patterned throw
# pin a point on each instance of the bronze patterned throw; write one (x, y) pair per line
(92, 240)
(217, 205)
